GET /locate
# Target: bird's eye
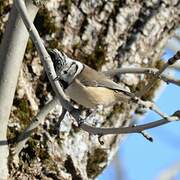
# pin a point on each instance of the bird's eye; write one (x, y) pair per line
(65, 72)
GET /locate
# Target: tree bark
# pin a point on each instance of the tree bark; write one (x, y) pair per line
(11, 54)
(104, 35)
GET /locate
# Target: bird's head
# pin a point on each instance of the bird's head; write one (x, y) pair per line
(66, 68)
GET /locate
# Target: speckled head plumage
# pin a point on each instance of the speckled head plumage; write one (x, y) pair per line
(58, 59)
(66, 68)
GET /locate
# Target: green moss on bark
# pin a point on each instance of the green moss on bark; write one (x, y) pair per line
(93, 163)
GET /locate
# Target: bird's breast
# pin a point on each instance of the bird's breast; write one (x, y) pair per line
(90, 97)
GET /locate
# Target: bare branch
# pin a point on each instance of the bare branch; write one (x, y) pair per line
(11, 54)
(150, 71)
(145, 134)
(118, 71)
(61, 117)
(126, 130)
(176, 66)
(44, 56)
(169, 79)
(47, 62)
(151, 83)
(24, 136)
(152, 106)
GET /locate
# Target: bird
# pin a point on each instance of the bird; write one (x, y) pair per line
(84, 85)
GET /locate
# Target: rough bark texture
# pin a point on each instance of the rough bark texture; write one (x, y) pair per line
(11, 56)
(105, 35)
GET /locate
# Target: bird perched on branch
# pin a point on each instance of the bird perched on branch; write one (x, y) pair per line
(85, 85)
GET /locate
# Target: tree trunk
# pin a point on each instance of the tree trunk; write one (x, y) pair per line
(104, 35)
(11, 54)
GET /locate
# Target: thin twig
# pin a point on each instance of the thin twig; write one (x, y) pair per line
(148, 71)
(151, 83)
(61, 117)
(126, 130)
(170, 79)
(176, 66)
(118, 71)
(145, 134)
(152, 106)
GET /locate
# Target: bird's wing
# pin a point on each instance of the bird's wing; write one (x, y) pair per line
(90, 77)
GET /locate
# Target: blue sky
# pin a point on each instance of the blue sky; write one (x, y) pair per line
(143, 160)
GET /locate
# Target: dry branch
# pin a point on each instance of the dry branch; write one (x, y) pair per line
(148, 71)
(12, 51)
(150, 84)
(41, 115)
